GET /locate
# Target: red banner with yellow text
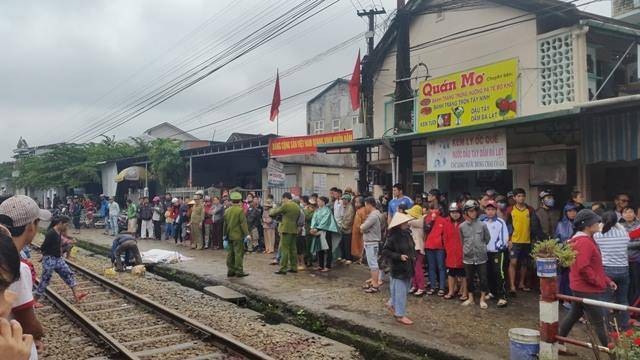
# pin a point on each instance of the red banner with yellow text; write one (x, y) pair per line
(301, 145)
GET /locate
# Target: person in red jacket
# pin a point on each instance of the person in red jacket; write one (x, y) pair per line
(453, 250)
(434, 245)
(587, 278)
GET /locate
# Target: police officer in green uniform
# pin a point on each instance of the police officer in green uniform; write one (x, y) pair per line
(288, 229)
(197, 218)
(235, 230)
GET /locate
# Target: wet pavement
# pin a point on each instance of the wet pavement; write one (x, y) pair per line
(441, 324)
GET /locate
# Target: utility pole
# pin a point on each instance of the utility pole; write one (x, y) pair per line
(402, 97)
(367, 92)
(371, 14)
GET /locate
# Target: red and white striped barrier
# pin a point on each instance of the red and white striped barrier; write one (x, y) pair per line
(549, 318)
(599, 303)
(549, 310)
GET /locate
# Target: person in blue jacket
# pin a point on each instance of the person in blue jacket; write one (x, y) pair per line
(564, 232)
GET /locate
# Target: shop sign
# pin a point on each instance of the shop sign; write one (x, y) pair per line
(478, 96)
(301, 145)
(486, 150)
(275, 173)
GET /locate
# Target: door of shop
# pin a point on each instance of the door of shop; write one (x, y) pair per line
(608, 179)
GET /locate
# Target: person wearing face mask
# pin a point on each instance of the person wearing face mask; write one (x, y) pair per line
(547, 215)
(503, 204)
(564, 232)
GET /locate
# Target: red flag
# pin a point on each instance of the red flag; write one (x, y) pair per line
(354, 85)
(275, 103)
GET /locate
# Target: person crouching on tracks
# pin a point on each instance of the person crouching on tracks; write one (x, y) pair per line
(125, 244)
(235, 231)
(52, 259)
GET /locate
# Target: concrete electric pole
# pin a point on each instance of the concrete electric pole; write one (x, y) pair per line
(367, 92)
(403, 105)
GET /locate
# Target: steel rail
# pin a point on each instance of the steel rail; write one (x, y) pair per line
(221, 340)
(94, 329)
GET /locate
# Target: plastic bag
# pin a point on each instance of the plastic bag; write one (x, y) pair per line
(110, 272)
(225, 243)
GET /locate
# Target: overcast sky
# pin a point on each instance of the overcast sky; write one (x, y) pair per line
(67, 64)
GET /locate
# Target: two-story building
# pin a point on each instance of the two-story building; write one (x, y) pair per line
(330, 110)
(520, 93)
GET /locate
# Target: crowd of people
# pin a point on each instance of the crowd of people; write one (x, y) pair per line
(470, 249)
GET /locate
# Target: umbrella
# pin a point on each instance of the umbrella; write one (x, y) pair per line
(133, 173)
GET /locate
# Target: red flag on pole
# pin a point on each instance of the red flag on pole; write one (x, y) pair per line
(275, 103)
(354, 85)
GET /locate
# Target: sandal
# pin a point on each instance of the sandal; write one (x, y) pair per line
(448, 297)
(441, 293)
(372, 290)
(464, 298)
(366, 286)
(431, 292)
(524, 289)
(483, 305)
(419, 293)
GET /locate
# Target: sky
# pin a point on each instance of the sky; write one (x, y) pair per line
(69, 66)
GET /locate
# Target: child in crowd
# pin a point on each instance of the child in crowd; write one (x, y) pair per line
(417, 232)
(453, 260)
(496, 252)
(475, 237)
(434, 226)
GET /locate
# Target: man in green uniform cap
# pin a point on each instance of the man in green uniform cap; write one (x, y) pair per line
(235, 230)
(197, 218)
(288, 229)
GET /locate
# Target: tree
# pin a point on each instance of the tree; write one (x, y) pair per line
(167, 164)
(70, 165)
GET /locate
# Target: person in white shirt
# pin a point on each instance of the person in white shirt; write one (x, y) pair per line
(21, 216)
(496, 252)
(13, 345)
(613, 242)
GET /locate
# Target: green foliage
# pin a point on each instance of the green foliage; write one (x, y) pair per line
(6, 169)
(70, 165)
(553, 249)
(626, 344)
(166, 163)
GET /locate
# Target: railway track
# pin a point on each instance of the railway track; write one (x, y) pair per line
(135, 327)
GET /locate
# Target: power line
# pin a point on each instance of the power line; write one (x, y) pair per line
(256, 108)
(139, 99)
(266, 33)
(269, 81)
(180, 89)
(283, 23)
(144, 67)
(453, 36)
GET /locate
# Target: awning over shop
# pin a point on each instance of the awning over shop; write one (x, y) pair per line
(558, 114)
(611, 137)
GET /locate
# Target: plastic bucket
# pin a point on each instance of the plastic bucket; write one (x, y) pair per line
(524, 344)
(547, 267)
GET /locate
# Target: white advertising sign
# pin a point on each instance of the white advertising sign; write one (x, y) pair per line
(486, 150)
(275, 173)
